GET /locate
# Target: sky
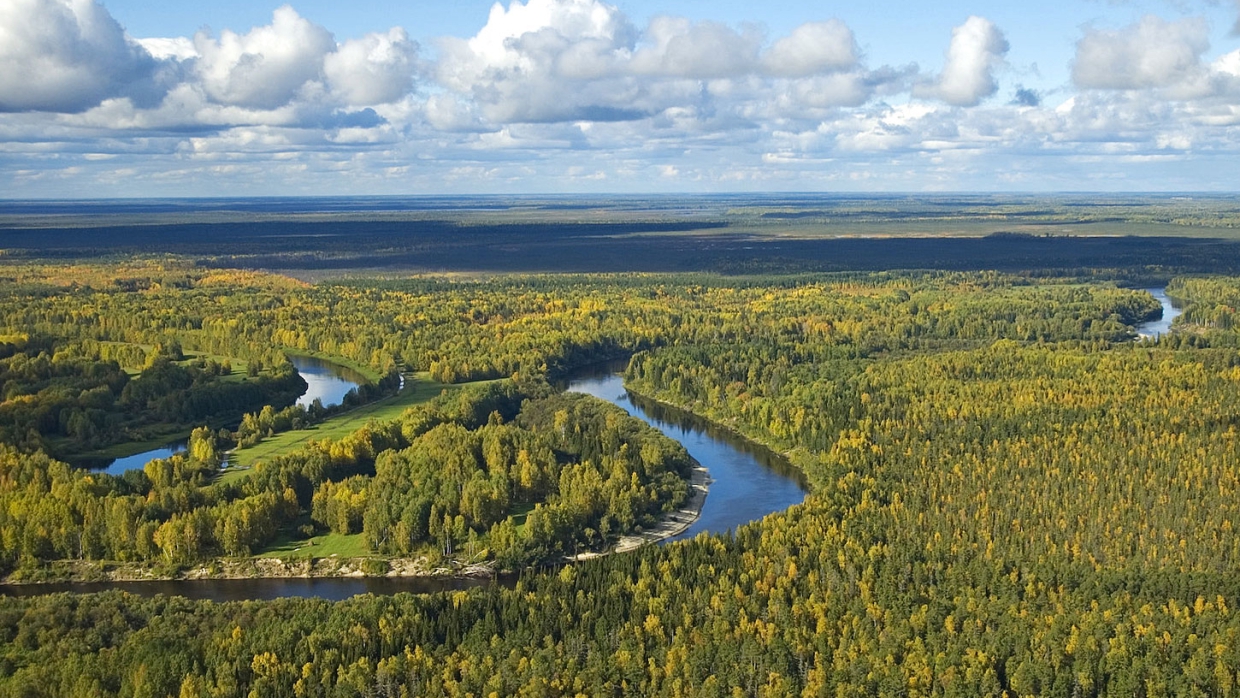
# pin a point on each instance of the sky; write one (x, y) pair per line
(128, 98)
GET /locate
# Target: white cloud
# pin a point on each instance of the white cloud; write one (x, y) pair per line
(680, 48)
(1228, 64)
(518, 38)
(376, 69)
(266, 67)
(812, 48)
(570, 93)
(69, 55)
(1151, 53)
(178, 48)
(544, 60)
(976, 49)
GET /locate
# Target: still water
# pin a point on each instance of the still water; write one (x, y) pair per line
(327, 382)
(1162, 325)
(137, 461)
(748, 482)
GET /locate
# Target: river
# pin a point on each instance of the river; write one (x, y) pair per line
(1170, 312)
(325, 381)
(748, 481)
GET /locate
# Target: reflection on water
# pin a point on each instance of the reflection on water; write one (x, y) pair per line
(327, 382)
(1162, 325)
(748, 481)
(118, 466)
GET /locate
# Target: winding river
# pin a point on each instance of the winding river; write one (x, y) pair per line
(748, 482)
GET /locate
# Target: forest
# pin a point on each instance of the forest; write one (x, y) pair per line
(329, 237)
(1011, 493)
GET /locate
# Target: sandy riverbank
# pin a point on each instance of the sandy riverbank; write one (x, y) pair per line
(671, 524)
(250, 568)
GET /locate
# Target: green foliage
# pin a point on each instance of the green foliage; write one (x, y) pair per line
(1009, 497)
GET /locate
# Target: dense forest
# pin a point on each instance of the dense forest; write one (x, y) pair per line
(446, 475)
(70, 398)
(1011, 493)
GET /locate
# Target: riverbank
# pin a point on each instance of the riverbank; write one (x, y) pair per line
(730, 427)
(670, 524)
(92, 571)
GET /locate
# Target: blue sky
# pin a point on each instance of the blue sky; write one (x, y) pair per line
(129, 98)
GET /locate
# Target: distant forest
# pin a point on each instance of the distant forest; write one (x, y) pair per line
(733, 235)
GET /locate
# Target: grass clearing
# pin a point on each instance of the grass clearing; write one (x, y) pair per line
(519, 513)
(326, 545)
(232, 474)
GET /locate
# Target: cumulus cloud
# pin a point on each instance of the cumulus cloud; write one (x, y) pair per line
(294, 59)
(812, 48)
(1151, 53)
(976, 49)
(528, 37)
(548, 87)
(265, 67)
(376, 69)
(544, 60)
(680, 48)
(583, 60)
(67, 56)
(177, 48)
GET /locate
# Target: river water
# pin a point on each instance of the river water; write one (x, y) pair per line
(748, 482)
(1162, 325)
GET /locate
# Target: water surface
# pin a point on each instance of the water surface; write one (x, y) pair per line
(748, 481)
(118, 466)
(327, 382)
(1170, 312)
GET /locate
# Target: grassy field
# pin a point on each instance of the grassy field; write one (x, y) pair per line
(326, 545)
(417, 391)
(519, 513)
